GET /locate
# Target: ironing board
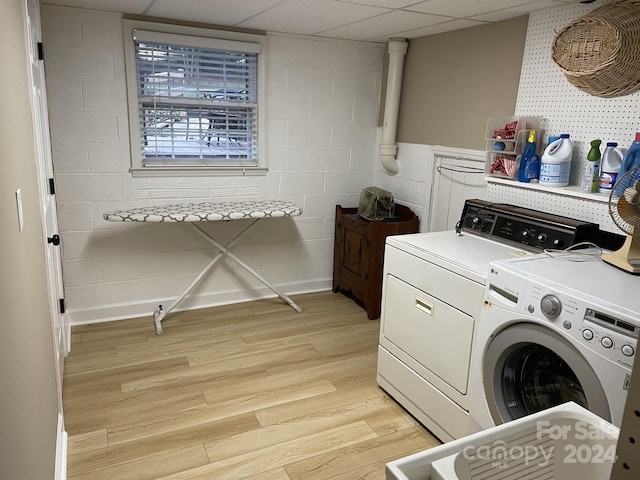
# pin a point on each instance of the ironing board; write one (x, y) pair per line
(194, 213)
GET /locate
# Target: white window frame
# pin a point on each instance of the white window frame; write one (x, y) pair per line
(200, 37)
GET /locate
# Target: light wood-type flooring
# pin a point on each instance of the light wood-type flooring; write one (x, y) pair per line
(246, 391)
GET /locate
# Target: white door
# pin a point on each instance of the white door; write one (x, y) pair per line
(45, 186)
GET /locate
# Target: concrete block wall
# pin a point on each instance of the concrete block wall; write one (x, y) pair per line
(323, 99)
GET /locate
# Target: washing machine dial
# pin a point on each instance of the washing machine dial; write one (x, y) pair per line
(628, 350)
(542, 237)
(587, 334)
(550, 306)
(477, 221)
(606, 342)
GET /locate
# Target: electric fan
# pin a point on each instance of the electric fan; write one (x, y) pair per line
(624, 208)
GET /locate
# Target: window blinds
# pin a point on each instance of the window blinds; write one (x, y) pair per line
(197, 100)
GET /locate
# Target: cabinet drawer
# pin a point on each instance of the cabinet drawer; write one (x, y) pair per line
(435, 334)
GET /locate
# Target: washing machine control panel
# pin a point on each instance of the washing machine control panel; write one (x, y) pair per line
(604, 332)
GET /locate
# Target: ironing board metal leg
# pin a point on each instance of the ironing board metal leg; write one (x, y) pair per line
(231, 255)
(159, 314)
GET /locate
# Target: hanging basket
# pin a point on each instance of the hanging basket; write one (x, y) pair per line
(599, 53)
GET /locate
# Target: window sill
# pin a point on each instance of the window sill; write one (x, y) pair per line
(198, 171)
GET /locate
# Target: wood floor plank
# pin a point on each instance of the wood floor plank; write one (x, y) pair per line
(86, 442)
(117, 409)
(319, 421)
(207, 356)
(252, 355)
(370, 452)
(253, 391)
(124, 373)
(256, 462)
(276, 474)
(149, 468)
(218, 410)
(316, 406)
(87, 461)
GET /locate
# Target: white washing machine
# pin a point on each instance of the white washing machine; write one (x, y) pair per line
(433, 285)
(553, 330)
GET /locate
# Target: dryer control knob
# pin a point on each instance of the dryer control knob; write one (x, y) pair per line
(587, 334)
(628, 350)
(550, 306)
(606, 342)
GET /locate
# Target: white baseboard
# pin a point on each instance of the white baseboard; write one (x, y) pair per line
(62, 440)
(145, 309)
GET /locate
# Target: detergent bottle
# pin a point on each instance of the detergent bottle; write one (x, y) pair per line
(555, 165)
(632, 157)
(529, 161)
(610, 166)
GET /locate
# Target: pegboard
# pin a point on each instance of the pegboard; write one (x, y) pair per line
(560, 202)
(544, 91)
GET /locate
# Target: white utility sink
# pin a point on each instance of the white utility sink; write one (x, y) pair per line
(566, 442)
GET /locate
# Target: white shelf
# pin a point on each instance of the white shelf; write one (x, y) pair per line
(574, 191)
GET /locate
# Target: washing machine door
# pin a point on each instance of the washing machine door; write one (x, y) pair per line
(529, 368)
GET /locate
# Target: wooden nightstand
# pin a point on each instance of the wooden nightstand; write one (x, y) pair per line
(359, 253)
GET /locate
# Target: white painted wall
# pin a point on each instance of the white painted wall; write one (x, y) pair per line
(323, 99)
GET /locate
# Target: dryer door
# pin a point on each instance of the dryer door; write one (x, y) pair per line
(529, 368)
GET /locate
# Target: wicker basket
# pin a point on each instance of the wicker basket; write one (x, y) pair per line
(600, 52)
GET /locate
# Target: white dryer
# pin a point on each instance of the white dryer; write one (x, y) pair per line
(553, 330)
(433, 285)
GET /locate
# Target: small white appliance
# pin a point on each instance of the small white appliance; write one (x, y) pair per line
(432, 298)
(553, 330)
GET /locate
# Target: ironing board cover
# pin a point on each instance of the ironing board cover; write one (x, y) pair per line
(206, 212)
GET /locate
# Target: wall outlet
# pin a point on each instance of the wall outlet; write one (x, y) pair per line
(19, 207)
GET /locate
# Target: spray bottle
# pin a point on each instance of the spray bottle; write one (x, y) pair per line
(591, 176)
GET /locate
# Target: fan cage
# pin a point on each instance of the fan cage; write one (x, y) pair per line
(624, 202)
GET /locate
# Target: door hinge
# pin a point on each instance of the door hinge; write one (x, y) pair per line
(52, 186)
(40, 51)
(366, 276)
(61, 302)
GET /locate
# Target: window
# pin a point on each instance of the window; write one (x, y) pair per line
(195, 102)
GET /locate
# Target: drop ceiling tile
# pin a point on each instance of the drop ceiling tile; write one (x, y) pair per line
(457, 24)
(384, 3)
(310, 16)
(121, 6)
(386, 25)
(516, 11)
(218, 12)
(464, 9)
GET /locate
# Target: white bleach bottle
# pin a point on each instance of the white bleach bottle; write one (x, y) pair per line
(610, 166)
(555, 165)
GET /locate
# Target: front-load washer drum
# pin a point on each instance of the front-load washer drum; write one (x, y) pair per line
(528, 368)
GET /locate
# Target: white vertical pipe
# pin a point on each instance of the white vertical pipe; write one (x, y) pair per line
(397, 50)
